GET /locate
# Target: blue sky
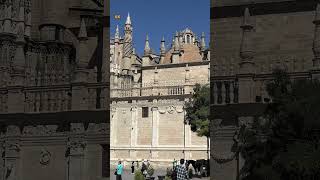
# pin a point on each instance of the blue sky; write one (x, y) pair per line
(159, 18)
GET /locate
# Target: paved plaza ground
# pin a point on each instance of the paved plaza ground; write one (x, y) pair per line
(128, 176)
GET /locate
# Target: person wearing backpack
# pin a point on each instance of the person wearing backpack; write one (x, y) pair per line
(119, 171)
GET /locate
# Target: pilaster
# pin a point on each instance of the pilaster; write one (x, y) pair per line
(114, 120)
(12, 153)
(246, 89)
(155, 125)
(76, 146)
(134, 127)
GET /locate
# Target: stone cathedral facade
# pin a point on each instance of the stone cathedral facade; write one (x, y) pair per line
(148, 94)
(249, 40)
(53, 90)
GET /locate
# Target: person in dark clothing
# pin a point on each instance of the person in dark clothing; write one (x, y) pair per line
(143, 168)
(132, 167)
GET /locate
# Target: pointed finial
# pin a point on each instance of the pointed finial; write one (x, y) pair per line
(162, 47)
(246, 18)
(203, 44)
(317, 16)
(147, 46)
(83, 30)
(176, 43)
(128, 21)
(20, 35)
(117, 32)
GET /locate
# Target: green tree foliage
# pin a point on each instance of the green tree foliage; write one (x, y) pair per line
(198, 109)
(291, 124)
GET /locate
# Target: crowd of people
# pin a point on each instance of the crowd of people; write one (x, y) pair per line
(144, 167)
(180, 171)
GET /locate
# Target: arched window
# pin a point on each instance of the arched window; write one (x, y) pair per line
(188, 39)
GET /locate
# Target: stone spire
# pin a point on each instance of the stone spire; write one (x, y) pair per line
(147, 47)
(176, 52)
(83, 47)
(21, 16)
(19, 57)
(180, 38)
(116, 36)
(83, 30)
(196, 41)
(7, 17)
(316, 40)
(27, 31)
(203, 44)
(162, 47)
(127, 46)
(246, 49)
(162, 51)
(176, 43)
(128, 21)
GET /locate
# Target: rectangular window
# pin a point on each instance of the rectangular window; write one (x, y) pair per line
(145, 112)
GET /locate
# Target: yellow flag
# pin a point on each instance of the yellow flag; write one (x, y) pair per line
(117, 17)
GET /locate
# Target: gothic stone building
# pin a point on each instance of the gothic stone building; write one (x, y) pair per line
(249, 40)
(148, 95)
(53, 90)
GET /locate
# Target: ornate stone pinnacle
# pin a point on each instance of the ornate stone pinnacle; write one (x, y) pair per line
(246, 24)
(162, 47)
(83, 30)
(316, 39)
(246, 48)
(147, 47)
(128, 21)
(117, 33)
(317, 15)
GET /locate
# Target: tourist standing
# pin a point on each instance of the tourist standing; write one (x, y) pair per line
(181, 170)
(174, 163)
(132, 167)
(119, 171)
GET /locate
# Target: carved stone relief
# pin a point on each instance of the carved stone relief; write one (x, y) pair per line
(76, 146)
(246, 121)
(13, 131)
(77, 128)
(162, 111)
(171, 109)
(179, 109)
(97, 128)
(45, 157)
(39, 130)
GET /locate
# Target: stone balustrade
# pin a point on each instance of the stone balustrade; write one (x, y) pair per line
(56, 98)
(152, 91)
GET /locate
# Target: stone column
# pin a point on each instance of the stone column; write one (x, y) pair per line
(2, 160)
(316, 45)
(76, 146)
(155, 116)
(155, 130)
(12, 153)
(134, 131)
(114, 119)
